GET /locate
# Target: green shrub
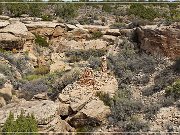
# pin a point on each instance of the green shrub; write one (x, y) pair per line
(35, 9)
(85, 128)
(168, 101)
(84, 20)
(62, 81)
(1, 8)
(151, 110)
(174, 89)
(17, 9)
(134, 124)
(96, 34)
(117, 25)
(32, 77)
(41, 41)
(42, 70)
(33, 87)
(105, 98)
(46, 17)
(124, 108)
(106, 7)
(6, 70)
(77, 55)
(143, 12)
(66, 11)
(175, 14)
(95, 62)
(21, 124)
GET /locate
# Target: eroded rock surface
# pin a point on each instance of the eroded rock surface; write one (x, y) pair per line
(44, 111)
(160, 40)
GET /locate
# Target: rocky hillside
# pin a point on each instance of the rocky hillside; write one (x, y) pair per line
(89, 77)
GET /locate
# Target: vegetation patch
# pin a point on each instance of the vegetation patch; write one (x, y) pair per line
(174, 89)
(66, 11)
(95, 62)
(96, 35)
(77, 55)
(41, 41)
(117, 25)
(42, 70)
(104, 97)
(46, 17)
(21, 124)
(143, 12)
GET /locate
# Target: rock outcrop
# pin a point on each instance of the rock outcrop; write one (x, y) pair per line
(160, 40)
(6, 92)
(17, 29)
(44, 111)
(9, 42)
(79, 100)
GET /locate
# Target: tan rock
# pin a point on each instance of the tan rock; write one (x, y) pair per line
(110, 87)
(162, 40)
(10, 42)
(30, 36)
(55, 57)
(92, 114)
(44, 110)
(43, 31)
(95, 44)
(59, 31)
(113, 32)
(109, 38)
(41, 96)
(4, 24)
(6, 92)
(64, 109)
(58, 125)
(3, 17)
(2, 102)
(42, 24)
(70, 27)
(63, 98)
(17, 28)
(59, 66)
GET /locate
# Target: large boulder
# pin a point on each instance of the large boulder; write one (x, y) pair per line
(6, 92)
(59, 125)
(17, 29)
(80, 102)
(93, 114)
(9, 41)
(44, 110)
(164, 40)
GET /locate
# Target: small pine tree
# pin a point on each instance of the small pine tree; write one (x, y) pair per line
(9, 124)
(21, 124)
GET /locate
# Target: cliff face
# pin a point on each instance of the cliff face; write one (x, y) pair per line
(160, 40)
